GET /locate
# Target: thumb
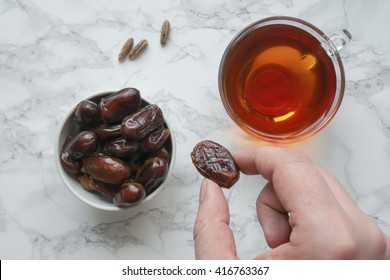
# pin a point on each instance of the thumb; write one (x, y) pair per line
(212, 234)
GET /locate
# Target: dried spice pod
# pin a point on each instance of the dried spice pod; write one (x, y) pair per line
(128, 45)
(164, 32)
(138, 49)
(216, 163)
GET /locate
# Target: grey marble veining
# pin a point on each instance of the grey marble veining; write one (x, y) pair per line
(55, 53)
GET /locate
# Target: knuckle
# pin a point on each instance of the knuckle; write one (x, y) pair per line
(293, 162)
(199, 226)
(357, 245)
(295, 157)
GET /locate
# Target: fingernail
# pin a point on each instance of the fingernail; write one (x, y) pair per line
(203, 190)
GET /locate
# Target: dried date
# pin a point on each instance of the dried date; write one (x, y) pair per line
(216, 163)
(115, 107)
(87, 113)
(130, 194)
(152, 173)
(68, 163)
(90, 184)
(155, 140)
(82, 144)
(106, 132)
(120, 147)
(140, 124)
(106, 169)
(76, 147)
(161, 153)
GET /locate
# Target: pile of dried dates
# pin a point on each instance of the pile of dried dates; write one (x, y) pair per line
(122, 148)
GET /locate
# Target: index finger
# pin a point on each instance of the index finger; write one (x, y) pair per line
(297, 181)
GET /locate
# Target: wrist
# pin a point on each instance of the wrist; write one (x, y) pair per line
(387, 253)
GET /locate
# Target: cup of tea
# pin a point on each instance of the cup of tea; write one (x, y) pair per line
(281, 79)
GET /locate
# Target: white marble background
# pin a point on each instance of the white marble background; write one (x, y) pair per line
(53, 53)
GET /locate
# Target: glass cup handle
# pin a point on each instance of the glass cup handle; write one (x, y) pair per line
(341, 39)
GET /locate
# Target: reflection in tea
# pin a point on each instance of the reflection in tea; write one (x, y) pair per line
(279, 80)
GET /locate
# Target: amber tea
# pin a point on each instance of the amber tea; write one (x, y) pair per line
(279, 80)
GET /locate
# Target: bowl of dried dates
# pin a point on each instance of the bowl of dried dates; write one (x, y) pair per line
(115, 150)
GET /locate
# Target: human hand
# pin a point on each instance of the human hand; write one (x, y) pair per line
(304, 211)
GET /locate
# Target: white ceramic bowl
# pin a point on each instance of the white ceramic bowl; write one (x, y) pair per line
(70, 127)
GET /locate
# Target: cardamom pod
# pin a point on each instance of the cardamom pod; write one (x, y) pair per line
(138, 49)
(126, 49)
(164, 32)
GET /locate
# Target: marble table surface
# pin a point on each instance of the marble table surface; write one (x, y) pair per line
(54, 53)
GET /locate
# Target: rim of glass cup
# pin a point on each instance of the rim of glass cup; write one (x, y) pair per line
(327, 45)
